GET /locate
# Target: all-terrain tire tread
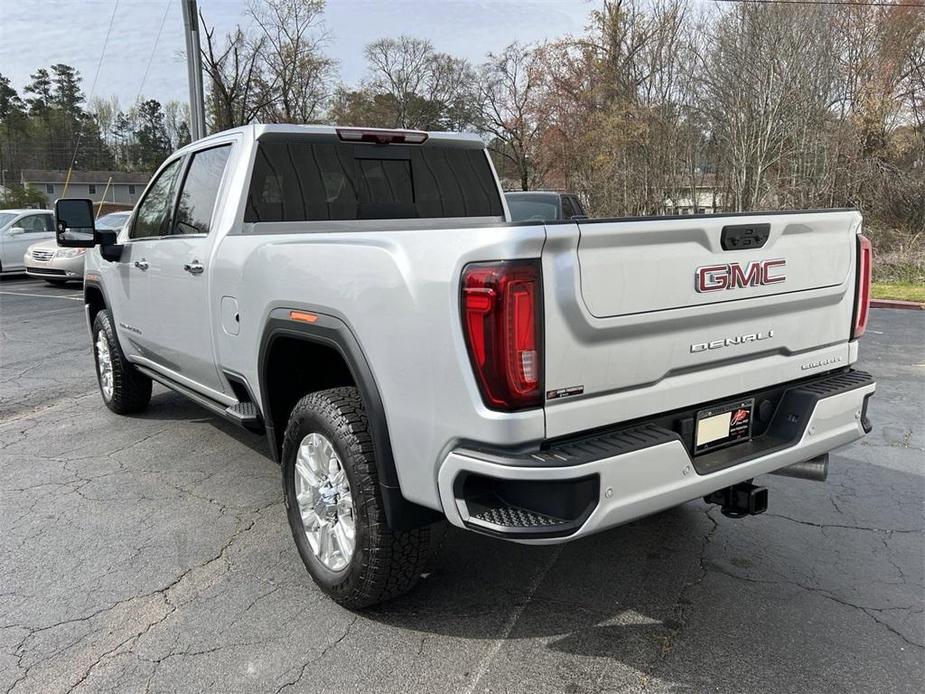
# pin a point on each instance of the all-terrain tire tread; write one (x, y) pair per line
(391, 561)
(131, 389)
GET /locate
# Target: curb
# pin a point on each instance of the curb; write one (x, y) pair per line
(894, 303)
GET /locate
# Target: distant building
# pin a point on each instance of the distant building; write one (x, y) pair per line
(704, 198)
(121, 189)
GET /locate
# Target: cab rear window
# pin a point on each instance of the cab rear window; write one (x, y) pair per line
(297, 181)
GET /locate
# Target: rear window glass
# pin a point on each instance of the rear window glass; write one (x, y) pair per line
(305, 181)
(533, 209)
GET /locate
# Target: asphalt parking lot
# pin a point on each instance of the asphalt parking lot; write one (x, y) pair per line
(152, 553)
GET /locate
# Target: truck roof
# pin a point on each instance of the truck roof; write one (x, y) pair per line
(258, 130)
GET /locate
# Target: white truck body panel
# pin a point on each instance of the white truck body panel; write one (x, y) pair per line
(625, 336)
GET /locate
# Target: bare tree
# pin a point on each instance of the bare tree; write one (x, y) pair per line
(765, 83)
(176, 122)
(508, 91)
(273, 71)
(423, 88)
(296, 73)
(237, 91)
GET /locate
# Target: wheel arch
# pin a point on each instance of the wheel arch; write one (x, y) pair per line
(94, 300)
(329, 342)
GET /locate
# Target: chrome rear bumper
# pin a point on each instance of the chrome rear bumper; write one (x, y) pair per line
(640, 470)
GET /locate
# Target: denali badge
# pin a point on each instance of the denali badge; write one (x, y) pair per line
(730, 341)
(711, 278)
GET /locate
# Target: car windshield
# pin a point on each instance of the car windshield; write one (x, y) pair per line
(6, 218)
(532, 208)
(113, 220)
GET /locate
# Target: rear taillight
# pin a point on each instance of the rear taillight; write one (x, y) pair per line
(862, 297)
(502, 322)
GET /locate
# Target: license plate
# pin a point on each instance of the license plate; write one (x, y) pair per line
(723, 425)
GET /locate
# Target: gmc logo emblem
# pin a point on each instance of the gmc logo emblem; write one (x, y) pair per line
(713, 278)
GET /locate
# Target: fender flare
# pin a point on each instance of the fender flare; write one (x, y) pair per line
(90, 283)
(332, 332)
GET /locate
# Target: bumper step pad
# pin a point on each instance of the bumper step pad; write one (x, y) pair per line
(506, 516)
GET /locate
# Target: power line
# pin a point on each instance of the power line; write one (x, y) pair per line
(157, 38)
(832, 3)
(99, 65)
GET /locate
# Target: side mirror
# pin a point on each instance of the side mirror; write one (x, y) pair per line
(15, 231)
(74, 223)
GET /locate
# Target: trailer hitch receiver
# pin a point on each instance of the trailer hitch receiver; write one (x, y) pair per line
(740, 500)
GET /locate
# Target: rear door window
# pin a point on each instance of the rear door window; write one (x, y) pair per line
(568, 211)
(200, 188)
(310, 181)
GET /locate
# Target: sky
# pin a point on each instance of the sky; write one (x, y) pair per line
(73, 32)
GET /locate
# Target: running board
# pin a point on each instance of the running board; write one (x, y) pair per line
(244, 414)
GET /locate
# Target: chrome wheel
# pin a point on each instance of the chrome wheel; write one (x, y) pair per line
(325, 503)
(104, 363)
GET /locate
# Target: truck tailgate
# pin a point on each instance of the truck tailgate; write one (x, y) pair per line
(646, 316)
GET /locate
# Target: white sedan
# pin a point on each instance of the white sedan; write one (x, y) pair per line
(56, 265)
(19, 229)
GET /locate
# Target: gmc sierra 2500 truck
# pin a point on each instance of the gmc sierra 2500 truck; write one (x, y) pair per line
(361, 298)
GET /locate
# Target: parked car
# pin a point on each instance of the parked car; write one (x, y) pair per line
(359, 297)
(544, 206)
(19, 229)
(56, 265)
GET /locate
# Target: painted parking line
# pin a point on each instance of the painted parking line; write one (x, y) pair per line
(73, 297)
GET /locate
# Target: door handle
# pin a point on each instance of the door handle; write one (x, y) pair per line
(141, 264)
(194, 268)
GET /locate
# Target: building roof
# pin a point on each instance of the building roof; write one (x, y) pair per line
(98, 177)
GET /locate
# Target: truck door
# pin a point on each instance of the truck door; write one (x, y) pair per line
(178, 328)
(131, 294)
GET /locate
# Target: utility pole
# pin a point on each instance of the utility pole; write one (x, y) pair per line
(197, 110)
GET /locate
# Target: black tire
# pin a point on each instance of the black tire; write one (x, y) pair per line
(55, 283)
(131, 389)
(385, 563)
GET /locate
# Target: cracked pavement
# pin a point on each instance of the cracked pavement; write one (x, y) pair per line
(151, 554)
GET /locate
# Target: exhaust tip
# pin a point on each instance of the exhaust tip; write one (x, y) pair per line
(816, 469)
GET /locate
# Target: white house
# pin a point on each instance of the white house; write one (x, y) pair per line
(703, 198)
(121, 189)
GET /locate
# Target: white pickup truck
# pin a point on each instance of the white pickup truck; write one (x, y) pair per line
(411, 355)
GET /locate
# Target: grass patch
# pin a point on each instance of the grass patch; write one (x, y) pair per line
(899, 290)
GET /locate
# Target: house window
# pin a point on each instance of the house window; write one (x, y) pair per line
(92, 189)
(131, 189)
(49, 188)
(701, 210)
